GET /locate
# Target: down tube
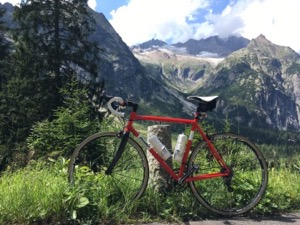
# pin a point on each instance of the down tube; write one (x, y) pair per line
(163, 164)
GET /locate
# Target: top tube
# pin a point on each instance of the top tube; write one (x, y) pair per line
(134, 117)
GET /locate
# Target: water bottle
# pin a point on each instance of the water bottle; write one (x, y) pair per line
(159, 147)
(180, 147)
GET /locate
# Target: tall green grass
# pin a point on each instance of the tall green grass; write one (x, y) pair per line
(33, 194)
(40, 194)
(283, 192)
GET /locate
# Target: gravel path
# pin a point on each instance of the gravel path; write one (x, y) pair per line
(285, 219)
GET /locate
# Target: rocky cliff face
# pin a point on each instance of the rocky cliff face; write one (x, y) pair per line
(122, 72)
(8, 16)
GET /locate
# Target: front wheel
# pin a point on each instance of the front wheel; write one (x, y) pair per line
(128, 179)
(243, 188)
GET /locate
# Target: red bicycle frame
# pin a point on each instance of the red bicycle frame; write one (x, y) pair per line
(194, 127)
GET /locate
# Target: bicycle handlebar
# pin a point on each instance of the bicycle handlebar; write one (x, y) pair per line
(112, 110)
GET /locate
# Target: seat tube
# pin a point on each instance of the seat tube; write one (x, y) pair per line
(119, 153)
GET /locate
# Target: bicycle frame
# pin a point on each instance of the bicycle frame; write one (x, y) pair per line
(194, 127)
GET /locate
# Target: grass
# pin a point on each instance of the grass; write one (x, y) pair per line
(40, 194)
(33, 194)
(283, 193)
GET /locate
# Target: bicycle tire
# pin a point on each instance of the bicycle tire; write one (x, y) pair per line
(129, 178)
(235, 194)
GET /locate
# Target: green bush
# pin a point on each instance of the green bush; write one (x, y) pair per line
(70, 125)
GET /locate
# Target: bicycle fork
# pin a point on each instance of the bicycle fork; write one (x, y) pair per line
(119, 153)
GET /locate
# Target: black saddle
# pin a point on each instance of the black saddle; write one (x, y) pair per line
(207, 103)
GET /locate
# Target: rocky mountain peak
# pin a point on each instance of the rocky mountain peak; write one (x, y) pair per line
(154, 43)
(265, 48)
(262, 44)
(261, 39)
(8, 16)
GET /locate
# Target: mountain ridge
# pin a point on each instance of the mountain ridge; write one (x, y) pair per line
(213, 46)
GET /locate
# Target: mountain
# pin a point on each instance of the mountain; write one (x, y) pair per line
(184, 66)
(122, 72)
(259, 85)
(154, 43)
(125, 75)
(182, 72)
(8, 16)
(219, 47)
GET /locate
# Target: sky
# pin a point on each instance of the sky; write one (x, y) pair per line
(173, 21)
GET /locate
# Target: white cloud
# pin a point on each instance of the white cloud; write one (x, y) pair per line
(176, 20)
(225, 24)
(142, 20)
(14, 2)
(92, 4)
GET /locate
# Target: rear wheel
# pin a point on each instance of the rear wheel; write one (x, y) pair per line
(91, 158)
(243, 188)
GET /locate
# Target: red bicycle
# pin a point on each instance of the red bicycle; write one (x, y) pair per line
(226, 172)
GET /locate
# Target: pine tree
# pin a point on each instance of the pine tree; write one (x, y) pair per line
(57, 33)
(51, 46)
(4, 48)
(4, 54)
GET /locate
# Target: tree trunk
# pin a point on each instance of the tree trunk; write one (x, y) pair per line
(158, 176)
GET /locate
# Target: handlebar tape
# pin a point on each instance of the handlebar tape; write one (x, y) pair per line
(113, 111)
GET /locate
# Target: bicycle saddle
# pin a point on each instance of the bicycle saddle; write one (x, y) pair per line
(207, 103)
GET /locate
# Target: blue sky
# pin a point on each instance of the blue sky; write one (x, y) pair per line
(173, 21)
(106, 6)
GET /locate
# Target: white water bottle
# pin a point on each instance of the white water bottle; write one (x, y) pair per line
(159, 147)
(180, 147)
